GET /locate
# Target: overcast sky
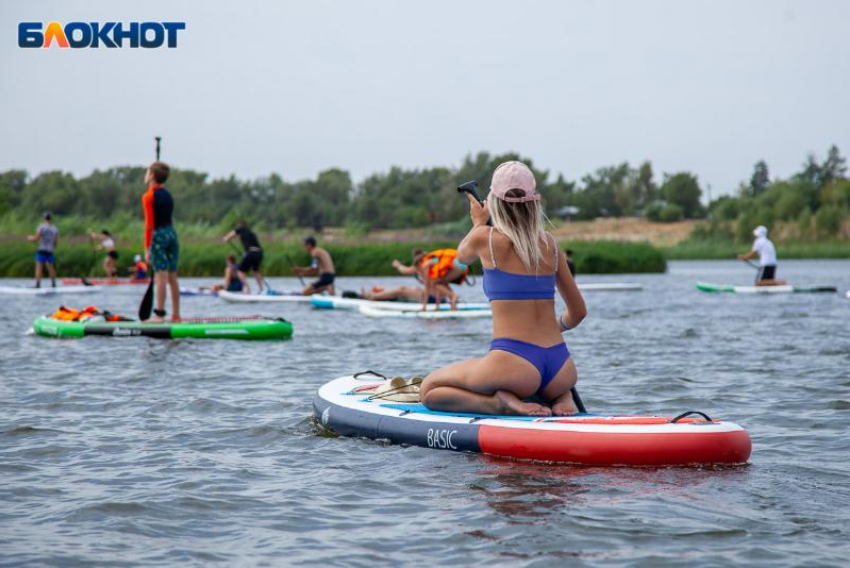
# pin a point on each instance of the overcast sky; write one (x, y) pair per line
(295, 87)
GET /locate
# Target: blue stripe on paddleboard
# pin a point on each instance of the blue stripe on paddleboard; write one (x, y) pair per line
(422, 409)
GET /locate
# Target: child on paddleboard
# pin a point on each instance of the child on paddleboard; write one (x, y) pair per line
(232, 282)
(139, 269)
(763, 247)
(46, 235)
(523, 266)
(162, 249)
(322, 265)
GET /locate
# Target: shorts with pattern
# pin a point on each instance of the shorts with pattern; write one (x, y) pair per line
(165, 249)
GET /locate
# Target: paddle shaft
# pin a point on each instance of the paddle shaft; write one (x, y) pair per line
(146, 306)
(292, 265)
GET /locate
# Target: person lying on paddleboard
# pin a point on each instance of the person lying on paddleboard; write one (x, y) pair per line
(404, 293)
(437, 270)
(763, 247)
(523, 266)
(162, 249)
(232, 282)
(139, 269)
(322, 265)
(46, 235)
(253, 257)
(107, 243)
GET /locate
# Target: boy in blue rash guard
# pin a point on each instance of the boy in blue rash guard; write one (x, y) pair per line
(46, 235)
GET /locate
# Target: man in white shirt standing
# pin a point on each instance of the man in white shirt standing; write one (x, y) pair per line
(763, 247)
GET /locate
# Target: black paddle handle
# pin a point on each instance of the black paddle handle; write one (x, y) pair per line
(471, 187)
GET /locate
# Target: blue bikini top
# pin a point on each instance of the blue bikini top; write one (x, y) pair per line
(501, 285)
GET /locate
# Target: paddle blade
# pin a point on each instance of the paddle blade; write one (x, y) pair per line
(146, 306)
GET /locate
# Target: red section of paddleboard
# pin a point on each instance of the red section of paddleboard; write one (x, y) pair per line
(591, 448)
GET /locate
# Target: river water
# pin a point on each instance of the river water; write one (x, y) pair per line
(143, 452)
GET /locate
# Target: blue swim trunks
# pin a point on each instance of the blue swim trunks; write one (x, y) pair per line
(44, 257)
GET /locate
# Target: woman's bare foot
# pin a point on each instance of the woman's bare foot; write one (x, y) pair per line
(564, 405)
(154, 319)
(509, 403)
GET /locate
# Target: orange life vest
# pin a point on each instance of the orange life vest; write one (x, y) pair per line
(440, 262)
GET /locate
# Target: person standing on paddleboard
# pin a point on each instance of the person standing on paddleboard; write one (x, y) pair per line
(763, 247)
(46, 235)
(322, 265)
(162, 249)
(253, 257)
(107, 243)
(523, 266)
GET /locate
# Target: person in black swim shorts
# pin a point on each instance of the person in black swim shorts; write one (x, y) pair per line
(252, 259)
(322, 265)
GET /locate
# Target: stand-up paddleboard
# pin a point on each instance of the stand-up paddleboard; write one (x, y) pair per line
(610, 286)
(189, 291)
(431, 314)
(345, 407)
(48, 291)
(785, 289)
(339, 303)
(104, 281)
(250, 327)
(265, 297)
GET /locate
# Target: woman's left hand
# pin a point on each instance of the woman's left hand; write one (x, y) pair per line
(479, 213)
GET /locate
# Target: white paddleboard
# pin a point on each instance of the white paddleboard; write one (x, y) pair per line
(278, 297)
(373, 312)
(609, 286)
(48, 291)
(338, 303)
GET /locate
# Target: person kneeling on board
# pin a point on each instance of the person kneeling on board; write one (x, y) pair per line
(763, 247)
(523, 266)
(322, 265)
(139, 270)
(232, 282)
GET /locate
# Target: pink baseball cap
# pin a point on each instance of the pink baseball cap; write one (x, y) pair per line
(514, 175)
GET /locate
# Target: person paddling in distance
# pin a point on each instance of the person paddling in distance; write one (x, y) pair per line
(522, 268)
(763, 247)
(322, 265)
(46, 235)
(162, 249)
(107, 243)
(253, 257)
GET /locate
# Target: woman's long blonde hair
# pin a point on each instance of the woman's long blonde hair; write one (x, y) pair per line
(523, 223)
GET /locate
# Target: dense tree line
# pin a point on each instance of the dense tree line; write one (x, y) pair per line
(814, 203)
(401, 198)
